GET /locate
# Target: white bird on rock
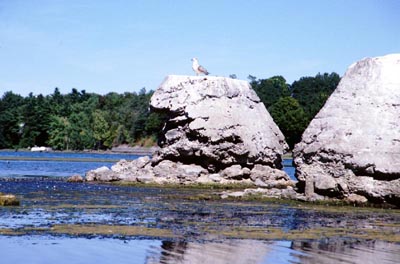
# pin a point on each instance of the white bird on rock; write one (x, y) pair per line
(198, 69)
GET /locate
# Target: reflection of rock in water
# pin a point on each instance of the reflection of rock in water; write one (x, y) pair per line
(346, 251)
(231, 251)
(328, 251)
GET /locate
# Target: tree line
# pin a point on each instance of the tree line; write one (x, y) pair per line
(293, 106)
(77, 120)
(80, 120)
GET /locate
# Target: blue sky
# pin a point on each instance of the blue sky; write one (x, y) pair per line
(104, 46)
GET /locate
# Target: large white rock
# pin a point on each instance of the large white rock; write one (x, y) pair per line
(353, 144)
(217, 130)
(216, 122)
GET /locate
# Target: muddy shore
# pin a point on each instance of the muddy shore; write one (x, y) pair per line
(57, 207)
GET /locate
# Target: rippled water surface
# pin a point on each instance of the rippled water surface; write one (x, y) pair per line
(43, 250)
(61, 222)
(54, 164)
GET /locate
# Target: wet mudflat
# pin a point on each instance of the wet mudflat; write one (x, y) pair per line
(184, 225)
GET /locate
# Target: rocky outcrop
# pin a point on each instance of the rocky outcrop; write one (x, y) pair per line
(218, 131)
(352, 147)
(216, 122)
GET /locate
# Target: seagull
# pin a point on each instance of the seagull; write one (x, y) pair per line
(198, 69)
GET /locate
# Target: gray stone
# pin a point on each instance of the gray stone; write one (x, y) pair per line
(8, 200)
(216, 121)
(75, 178)
(287, 193)
(290, 193)
(352, 146)
(146, 176)
(175, 172)
(124, 165)
(267, 173)
(357, 199)
(260, 183)
(217, 130)
(215, 177)
(102, 174)
(236, 194)
(235, 172)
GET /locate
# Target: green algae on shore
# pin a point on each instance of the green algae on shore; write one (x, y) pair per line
(240, 232)
(307, 234)
(109, 230)
(60, 208)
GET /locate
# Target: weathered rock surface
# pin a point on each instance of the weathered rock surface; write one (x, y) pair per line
(218, 131)
(286, 193)
(216, 122)
(352, 147)
(101, 174)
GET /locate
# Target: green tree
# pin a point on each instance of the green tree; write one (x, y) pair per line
(290, 118)
(81, 134)
(312, 92)
(154, 124)
(59, 133)
(56, 101)
(120, 135)
(271, 90)
(10, 120)
(36, 118)
(101, 129)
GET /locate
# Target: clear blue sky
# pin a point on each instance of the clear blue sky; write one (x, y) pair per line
(103, 46)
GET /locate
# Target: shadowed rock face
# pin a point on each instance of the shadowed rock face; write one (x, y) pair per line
(216, 122)
(218, 131)
(353, 144)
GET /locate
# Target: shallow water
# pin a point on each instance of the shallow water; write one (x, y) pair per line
(54, 164)
(51, 225)
(26, 164)
(52, 155)
(47, 249)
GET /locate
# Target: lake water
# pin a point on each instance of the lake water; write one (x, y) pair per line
(50, 164)
(197, 230)
(54, 164)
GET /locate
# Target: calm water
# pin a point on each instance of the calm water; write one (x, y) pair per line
(50, 201)
(50, 166)
(43, 250)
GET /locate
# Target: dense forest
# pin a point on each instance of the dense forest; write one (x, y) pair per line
(81, 120)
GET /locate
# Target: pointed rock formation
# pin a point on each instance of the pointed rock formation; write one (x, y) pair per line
(216, 122)
(352, 146)
(217, 130)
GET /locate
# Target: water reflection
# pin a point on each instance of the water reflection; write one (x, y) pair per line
(47, 202)
(49, 249)
(262, 252)
(230, 251)
(343, 251)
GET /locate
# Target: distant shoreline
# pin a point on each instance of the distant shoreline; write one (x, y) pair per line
(136, 150)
